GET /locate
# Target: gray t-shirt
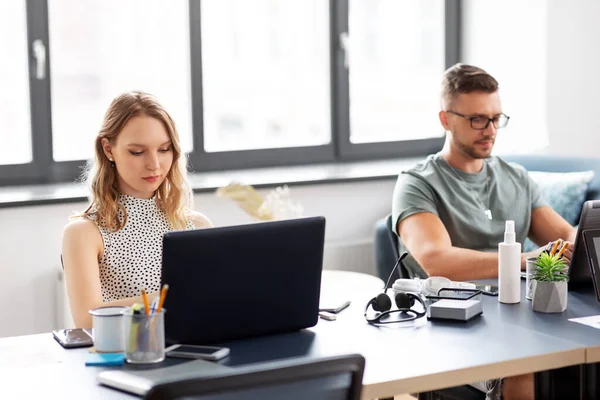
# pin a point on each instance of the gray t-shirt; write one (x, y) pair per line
(461, 199)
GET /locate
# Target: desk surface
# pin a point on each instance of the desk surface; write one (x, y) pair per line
(409, 357)
(580, 304)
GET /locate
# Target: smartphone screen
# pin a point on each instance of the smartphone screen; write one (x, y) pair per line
(73, 338)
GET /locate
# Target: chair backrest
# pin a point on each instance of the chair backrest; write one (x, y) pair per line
(328, 378)
(386, 250)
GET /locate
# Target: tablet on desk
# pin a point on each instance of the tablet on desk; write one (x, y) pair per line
(592, 246)
(580, 267)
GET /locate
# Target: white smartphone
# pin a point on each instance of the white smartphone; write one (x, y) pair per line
(203, 352)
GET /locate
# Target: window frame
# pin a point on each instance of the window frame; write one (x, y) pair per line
(388, 149)
(43, 168)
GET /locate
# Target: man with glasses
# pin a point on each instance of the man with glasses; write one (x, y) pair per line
(449, 210)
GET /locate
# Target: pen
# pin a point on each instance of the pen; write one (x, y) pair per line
(154, 305)
(562, 250)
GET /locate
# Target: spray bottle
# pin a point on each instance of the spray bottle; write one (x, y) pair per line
(509, 267)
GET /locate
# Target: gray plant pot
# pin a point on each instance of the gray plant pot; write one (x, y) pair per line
(549, 297)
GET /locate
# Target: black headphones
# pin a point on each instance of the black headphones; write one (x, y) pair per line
(382, 304)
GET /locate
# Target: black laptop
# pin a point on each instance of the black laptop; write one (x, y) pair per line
(242, 281)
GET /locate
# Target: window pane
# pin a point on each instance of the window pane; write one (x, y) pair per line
(265, 74)
(396, 55)
(15, 119)
(101, 49)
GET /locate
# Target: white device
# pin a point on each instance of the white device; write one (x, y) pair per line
(203, 352)
(459, 310)
(509, 267)
(429, 286)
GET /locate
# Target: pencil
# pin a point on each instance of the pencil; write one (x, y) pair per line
(562, 249)
(554, 248)
(145, 298)
(163, 294)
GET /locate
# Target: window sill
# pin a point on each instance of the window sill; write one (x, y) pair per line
(19, 196)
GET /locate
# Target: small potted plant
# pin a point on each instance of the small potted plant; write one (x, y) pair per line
(550, 284)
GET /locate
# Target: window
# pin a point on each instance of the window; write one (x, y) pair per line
(15, 131)
(265, 70)
(249, 83)
(394, 82)
(100, 49)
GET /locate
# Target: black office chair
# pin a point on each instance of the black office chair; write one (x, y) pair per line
(386, 250)
(327, 378)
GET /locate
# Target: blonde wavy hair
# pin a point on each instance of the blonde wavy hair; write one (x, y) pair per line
(173, 195)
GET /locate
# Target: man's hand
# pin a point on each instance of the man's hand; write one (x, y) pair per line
(557, 245)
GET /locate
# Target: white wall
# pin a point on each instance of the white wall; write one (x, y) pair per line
(509, 40)
(573, 77)
(547, 61)
(30, 242)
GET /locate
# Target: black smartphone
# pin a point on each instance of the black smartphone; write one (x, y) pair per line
(490, 290)
(202, 352)
(73, 338)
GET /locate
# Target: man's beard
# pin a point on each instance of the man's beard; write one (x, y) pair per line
(471, 151)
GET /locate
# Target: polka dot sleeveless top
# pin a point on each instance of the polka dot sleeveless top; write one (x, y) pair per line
(132, 256)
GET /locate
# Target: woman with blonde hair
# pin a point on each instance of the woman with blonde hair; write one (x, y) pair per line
(139, 191)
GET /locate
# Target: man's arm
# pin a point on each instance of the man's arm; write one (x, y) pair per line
(427, 239)
(547, 226)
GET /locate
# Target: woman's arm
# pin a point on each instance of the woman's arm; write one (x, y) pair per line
(82, 248)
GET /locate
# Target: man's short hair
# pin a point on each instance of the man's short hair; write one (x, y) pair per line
(463, 78)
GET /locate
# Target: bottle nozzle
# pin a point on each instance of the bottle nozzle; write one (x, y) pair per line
(509, 232)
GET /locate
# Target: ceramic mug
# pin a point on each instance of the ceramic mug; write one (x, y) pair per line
(109, 333)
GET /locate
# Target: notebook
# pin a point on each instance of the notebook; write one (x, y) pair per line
(140, 382)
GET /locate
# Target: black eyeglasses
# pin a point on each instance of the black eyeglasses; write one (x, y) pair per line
(481, 122)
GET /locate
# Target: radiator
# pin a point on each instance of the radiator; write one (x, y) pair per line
(357, 256)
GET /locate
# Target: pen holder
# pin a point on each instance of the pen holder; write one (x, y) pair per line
(145, 337)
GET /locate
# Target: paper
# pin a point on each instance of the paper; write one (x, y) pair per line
(593, 321)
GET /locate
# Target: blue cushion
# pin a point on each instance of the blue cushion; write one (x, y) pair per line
(564, 192)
